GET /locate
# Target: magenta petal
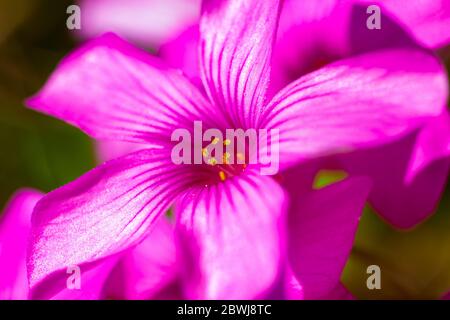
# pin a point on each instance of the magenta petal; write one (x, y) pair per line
(322, 227)
(110, 149)
(358, 102)
(92, 282)
(409, 175)
(149, 268)
(433, 143)
(182, 53)
(111, 90)
(103, 212)
(15, 224)
(446, 297)
(427, 20)
(235, 50)
(231, 237)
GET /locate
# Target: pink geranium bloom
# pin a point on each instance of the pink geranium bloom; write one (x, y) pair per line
(230, 234)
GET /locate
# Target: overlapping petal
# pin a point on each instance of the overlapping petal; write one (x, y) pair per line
(235, 50)
(147, 269)
(103, 212)
(322, 226)
(232, 235)
(427, 20)
(358, 102)
(15, 225)
(409, 175)
(113, 91)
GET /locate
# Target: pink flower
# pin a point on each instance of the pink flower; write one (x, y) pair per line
(408, 175)
(147, 22)
(231, 234)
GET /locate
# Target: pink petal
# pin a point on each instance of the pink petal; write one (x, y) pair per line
(148, 22)
(311, 34)
(299, 12)
(446, 297)
(294, 290)
(103, 212)
(114, 91)
(358, 102)
(15, 224)
(92, 282)
(427, 20)
(322, 227)
(149, 268)
(182, 53)
(109, 149)
(231, 236)
(433, 143)
(409, 175)
(235, 51)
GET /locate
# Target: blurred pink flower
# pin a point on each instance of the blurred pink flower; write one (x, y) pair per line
(146, 22)
(231, 235)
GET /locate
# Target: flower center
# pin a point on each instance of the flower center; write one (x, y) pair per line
(221, 158)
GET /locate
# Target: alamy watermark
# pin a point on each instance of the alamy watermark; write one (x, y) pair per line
(73, 282)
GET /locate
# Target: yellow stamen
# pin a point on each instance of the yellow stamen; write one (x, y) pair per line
(215, 140)
(205, 152)
(222, 176)
(212, 161)
(226, 142)
(240, 156)
(225, 157)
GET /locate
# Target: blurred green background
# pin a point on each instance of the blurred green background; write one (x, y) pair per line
(44, 153)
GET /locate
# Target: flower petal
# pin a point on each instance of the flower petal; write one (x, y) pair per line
(15, 225)
(149, 268)
(409, 175)
(427, 20)
(103, 212)
(433, 143)
(92, 282)
(235, 50)
(182, 53)
(113, 91)
(231, 237)
(322, 227)
(358, 102)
